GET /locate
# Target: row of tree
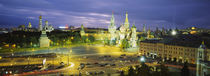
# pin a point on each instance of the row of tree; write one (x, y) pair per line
(31, 39)
(161, 70)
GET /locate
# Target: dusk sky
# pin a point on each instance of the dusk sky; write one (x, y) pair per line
(97, 13)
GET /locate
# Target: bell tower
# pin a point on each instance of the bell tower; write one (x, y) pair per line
(200, 59)
(40, 23)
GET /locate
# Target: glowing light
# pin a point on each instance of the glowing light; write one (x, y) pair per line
(173, 32)
(193, 32)
(13, 45)
(63, 27)
(142, 59)
(7, 45)
(72, 64)
(193, 28)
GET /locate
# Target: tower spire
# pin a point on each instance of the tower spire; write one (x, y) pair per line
(144, 28)
(126, 24)
(134, 25)
(112, 19)
(40, 23)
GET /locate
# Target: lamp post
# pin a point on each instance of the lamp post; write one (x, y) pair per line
(68, 55)
(32, 56)
(142, 59)
(173, 32)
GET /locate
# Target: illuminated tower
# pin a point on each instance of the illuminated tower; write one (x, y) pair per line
(82, 31)
(112, 30)
(133, 36)
(29, 25)
(40, 23)
(46, 27)
(144, 29)
(126, 24)
(200, 65)
(148, 33)
(122, 34)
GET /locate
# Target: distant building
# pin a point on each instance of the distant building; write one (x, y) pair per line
(149, 35)
(47, 28)
(29, 25)
(194, 30)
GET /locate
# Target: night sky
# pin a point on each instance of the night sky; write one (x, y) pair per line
(97, 13)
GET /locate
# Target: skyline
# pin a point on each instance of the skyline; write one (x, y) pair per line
(92, 13)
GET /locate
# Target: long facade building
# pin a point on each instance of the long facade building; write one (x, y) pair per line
(176, 53)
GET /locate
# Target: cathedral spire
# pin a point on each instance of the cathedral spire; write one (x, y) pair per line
(126, 24)
(133, 25)
(112, 20)
(144, 28)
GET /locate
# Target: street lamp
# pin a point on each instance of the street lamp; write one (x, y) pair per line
(142, 59)
(173, 32)
(68, 55)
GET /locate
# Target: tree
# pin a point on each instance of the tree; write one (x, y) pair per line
(124, 44)
(76, 38)
(21, 26)
(122, 73)
(144, 70)
(162, 70)
(91, 38)
(83, 38)
(131, 71)
(185, 70)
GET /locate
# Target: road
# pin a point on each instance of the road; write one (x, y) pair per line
(82, 54)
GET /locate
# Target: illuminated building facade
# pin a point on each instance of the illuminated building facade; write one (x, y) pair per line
(124, 33)
(170, 52)
(47, 27)
(194, 30)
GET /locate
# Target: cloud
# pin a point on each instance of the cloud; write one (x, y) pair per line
(97, 13)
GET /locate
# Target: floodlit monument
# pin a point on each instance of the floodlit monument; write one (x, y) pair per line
(112, 31)
(44, 41)
(123, 33)
(82, 31)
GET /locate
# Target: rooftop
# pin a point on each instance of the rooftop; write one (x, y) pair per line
(184, 40)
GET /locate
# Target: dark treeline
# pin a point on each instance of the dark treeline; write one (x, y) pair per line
(161, 70)
(27, 39)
